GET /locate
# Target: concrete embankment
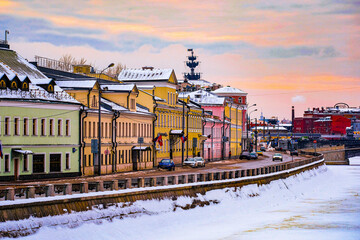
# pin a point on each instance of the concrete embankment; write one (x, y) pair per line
(50, 206)
(333, 155)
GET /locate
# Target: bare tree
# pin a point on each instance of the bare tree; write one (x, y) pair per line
(68, 61)
(115, 71)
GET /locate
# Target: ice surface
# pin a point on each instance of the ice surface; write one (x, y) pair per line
(316, 204)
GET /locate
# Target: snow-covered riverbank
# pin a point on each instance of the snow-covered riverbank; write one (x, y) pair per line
(317, 204)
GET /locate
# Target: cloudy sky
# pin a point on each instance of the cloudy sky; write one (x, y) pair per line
(283, 53)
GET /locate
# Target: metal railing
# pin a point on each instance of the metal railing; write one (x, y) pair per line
(50, 190)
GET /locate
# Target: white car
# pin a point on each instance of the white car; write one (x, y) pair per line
(190, 162)
(200, 162)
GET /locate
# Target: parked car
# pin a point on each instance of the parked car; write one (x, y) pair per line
(263, 149)
(294, 153)
(253, 155)
(190, 162)
(200, 162)
(277, 157)
(245, 155)
(260, 153)
(167, 164)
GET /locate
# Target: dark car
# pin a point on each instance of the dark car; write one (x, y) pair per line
(263, 149)
(294, 153)
(245, 155)
(167, 164)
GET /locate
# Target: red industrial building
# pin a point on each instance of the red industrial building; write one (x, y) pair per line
(329, 121)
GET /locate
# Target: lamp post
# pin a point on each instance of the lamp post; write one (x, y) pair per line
(99, 126)
(247, 120)
(247, 135)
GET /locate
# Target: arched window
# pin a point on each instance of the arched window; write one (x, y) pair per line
(25, 85)
(2, 84)
(50, 88)
(13, 85)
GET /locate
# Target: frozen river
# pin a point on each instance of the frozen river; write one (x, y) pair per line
(318, 204)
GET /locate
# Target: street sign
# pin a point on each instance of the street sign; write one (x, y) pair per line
(140, 140)
(94, 146)
(315, 141)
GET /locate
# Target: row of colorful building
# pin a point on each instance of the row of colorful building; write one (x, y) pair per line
(49, 120)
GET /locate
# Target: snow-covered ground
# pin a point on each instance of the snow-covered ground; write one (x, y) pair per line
(317, 204)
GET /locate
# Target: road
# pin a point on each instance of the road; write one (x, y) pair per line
(215, 166)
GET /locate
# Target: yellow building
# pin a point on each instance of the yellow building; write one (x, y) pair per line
(126, 127)
(172, 117)
(235, 112)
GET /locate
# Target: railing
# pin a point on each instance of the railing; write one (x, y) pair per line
(50, 190)
(53, 64)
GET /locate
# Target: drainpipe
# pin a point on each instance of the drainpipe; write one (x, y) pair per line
(82, 142)
(187, 131)
(128, 96)
(237, 139)
(88, 98)
(203, 123)
(229, 137)
(113, 139)
(212, 141)
(230, 129)
(153, 132)
(222, 138)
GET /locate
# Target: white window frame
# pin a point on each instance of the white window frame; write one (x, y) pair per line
(36, 126)
(43, 127)
(53, 127)
(67, 154)
(26, 133)
(68, 134)
(47, 170)
(8, 159)
(8, 133)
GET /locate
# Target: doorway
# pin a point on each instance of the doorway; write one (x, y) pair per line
(16, 168)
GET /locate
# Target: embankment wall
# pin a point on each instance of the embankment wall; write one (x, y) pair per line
(42, 207)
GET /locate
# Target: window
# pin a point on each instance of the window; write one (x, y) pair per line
(7, 163)
(90, 130)
(94, 102)
(25, 166)
(16, 126)
(43, 127)
(134, 130)
(38, 163)
(102, 130)
(34, 127)
(26, 127)
(94, 132)
(7, 126)
(90, 164)
(59, 128)
(106, 130)
(51, 127)
(85, 129)
(67, 127)
(55, 162)
(132, 103)
(84, 161)
(67, 160)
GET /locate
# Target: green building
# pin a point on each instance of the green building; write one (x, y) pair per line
(39, 123)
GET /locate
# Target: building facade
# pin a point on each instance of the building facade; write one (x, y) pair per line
(39, 128)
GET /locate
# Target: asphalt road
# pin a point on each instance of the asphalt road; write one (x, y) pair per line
(215, 166)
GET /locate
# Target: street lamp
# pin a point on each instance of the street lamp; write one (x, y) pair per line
(99, 126)
(247, 129)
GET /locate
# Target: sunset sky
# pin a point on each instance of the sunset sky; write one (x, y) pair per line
(282, 53)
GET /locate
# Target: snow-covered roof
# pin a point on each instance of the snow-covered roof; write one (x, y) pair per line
(88, 84)
(113, 105)
(119, 87)
(41, 81)
(37, 93)
(229, 90)
(132, 74)
(203, 97)
(11, 63)
(145, 86)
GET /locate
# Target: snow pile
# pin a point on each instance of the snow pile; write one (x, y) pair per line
(246, 199)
